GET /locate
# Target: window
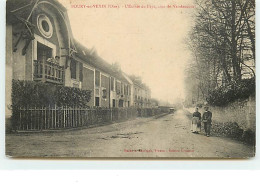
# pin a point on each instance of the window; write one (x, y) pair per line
(112, 84)
(122, 88)
(43, 52)
(104, 93)
(114, 103)
(73, 69)
(97, 101)
(80, 72)
(125, 89)
(97, 78)
(121, 103)
(44, 25)
(118, 87)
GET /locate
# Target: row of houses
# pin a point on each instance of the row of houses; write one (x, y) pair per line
(40, 47)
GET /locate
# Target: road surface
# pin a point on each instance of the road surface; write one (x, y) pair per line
(168, 136)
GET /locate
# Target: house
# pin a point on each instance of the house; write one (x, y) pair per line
(40, 47)
(142, 93)
(110, 88)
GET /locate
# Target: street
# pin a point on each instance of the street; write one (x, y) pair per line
(167, 136)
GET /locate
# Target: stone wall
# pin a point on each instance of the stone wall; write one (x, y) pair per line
(241, 112)
(236, 120)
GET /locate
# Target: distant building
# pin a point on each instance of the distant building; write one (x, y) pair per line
(142, 94)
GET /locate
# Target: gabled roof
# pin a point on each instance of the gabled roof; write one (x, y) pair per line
(19, 8)
(23, 8)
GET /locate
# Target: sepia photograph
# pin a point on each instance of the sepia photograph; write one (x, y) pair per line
(130, 79)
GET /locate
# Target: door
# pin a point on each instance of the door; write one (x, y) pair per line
(41, 69)
(43, 52)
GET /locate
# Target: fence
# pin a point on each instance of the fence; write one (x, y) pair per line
(65, 117)
(147, 112)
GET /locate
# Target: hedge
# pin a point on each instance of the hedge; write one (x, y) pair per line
(38, 94)
(232, 130)
(234, 91)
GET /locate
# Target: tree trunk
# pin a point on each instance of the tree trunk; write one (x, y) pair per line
(236, 67)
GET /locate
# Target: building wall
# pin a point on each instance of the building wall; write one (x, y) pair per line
(132, 96)
(22, 64)
(29, 63)
(18, 59)
(141, 96)
(113, 96)
(8, 71)
(241, 112)
(51, 15)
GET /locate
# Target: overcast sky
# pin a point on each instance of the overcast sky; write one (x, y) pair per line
(145, 42)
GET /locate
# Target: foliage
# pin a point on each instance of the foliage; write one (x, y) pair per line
(147, 112)
(222, 43)
(37, 94)
(232, 130)
(226, 94)
(228, 129)
(199, 105)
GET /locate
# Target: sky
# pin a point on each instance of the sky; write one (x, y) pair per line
(146, 42)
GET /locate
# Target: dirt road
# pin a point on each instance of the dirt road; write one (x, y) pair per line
(168, 136)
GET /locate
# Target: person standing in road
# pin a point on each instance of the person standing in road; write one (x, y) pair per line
(207, 119)
(196, 121)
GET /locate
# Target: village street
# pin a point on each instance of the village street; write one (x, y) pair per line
(167, 136)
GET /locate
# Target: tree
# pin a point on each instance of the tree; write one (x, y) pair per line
(223, 44)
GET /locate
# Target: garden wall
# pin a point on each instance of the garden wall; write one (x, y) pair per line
(242, 112)
(236, 120)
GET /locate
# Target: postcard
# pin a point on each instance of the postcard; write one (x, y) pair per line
(130, 79)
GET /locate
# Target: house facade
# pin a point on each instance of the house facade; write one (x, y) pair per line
(142, 95)
(40, 47)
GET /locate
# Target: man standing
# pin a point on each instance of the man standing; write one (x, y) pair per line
(206, 119)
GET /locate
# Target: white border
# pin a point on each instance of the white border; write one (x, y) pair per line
(68, 177)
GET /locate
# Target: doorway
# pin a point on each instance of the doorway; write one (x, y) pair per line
(43, 52)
